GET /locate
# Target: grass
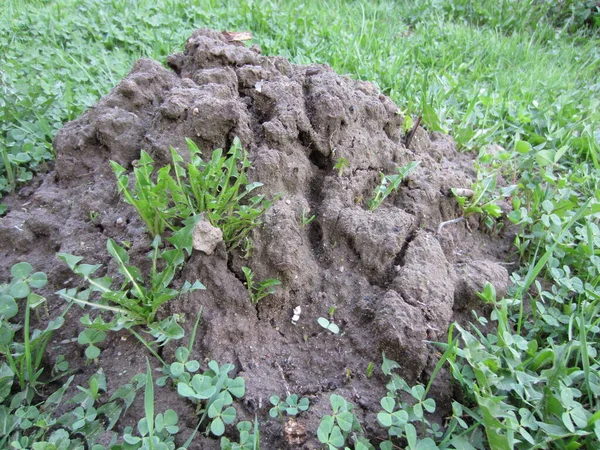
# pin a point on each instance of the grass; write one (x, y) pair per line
(518, 74)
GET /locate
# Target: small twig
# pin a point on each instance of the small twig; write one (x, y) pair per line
(448, 222)
(413, 131)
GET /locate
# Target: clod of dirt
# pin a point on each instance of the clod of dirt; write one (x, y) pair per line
(382, 276)
(206, 237)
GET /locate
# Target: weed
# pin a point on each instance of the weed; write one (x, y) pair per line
(90, 337)
(84, 418)
(247, 441)
(370, 368)
(484, 195)
(340, 165)
(291, 406)
(390, 183)
(334, 429)
(260, 290)
(23, 359)
(155, 432)
(181, 369)
(217, 188)
(331, 311)
(306, 220)
(328, 325)
(137, 299)
(212, 391)
(28, 420)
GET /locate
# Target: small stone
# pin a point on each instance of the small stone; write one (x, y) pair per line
(296, 316)
(463, 192)
(342, 269)
(120, 222)
(206, 237)
(287, 202)
(195, 111)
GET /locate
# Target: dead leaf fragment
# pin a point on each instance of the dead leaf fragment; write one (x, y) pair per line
(237, 36)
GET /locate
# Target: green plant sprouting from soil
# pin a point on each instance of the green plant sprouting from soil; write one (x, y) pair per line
(137, 299)
(340, 165)
(155, 431)
(23, 360)
(259, 290)
(306, 219)
(389, 184)
(484, 195)
(247, 440)
(292, 406)
(218, 187)
(328, 324)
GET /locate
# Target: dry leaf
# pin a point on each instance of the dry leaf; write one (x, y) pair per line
(237, 36)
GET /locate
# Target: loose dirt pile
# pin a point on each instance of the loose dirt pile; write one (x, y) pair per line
(392, 282)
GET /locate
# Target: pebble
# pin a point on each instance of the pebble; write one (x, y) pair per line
(296, 316)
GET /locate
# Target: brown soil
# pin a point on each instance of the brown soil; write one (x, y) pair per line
(393, 282)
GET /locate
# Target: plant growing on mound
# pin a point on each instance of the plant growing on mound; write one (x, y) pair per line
(23, 359)
(306, 219)
(484, 195)
(137, 299)
(291, 405)
(218, 187)
(212, 391)
(406, 421)
(259, 290)
(390, 183)
(28, 419)
(340, 165)
(154, 432)
(328, 325)
(336, 428)
(248, 440)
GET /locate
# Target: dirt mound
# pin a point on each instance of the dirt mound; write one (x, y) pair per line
(390, 281)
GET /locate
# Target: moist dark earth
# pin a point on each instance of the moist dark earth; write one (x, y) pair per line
(393, 282)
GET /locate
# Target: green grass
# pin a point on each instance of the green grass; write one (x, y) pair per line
(519, 74)
(481, 83)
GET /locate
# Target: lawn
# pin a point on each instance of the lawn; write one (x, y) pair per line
(516, 82)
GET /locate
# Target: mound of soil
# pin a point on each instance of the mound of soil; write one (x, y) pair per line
(392, 283)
